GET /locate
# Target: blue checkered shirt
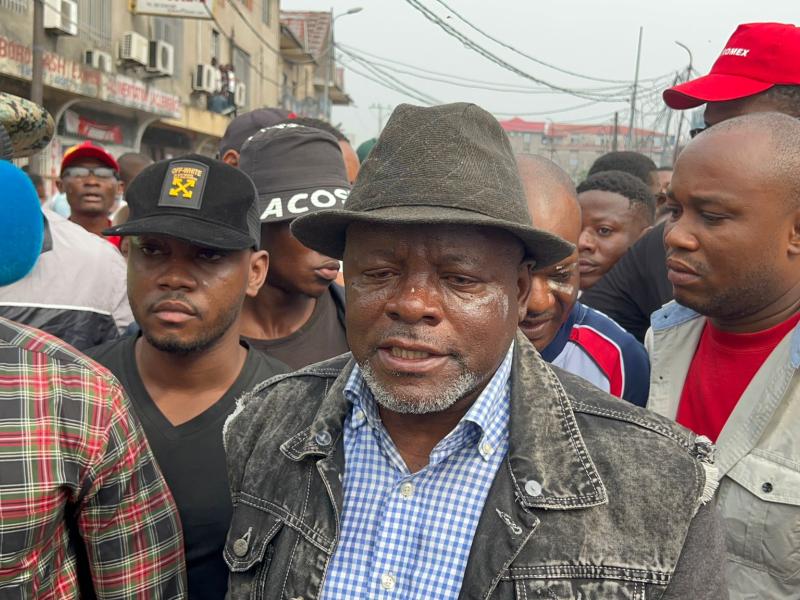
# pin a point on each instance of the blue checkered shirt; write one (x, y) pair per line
(408, 535)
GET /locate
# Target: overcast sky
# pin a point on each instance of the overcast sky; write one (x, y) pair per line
(589, 37)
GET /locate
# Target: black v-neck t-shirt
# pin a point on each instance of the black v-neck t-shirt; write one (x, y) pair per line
(192, 458)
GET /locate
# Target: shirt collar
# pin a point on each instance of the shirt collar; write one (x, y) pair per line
(489, 412)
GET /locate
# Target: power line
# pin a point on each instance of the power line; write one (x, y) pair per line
(385, 84)
(529, 57)
(447, 28)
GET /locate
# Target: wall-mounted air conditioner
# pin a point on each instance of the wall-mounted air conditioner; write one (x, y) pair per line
(134, 48)
(240, 95)
(99, 60)
(61, 17)
(205, 79)
(161, 58)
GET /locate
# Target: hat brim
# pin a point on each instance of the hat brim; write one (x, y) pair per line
(325, 231)
(715, 87)
(91, 153)
(194, 231)
(265, 198)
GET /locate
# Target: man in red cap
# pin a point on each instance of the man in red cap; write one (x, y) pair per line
(90, 180)
(758, 70)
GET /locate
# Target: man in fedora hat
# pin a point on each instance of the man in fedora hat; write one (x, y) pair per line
(444, 458)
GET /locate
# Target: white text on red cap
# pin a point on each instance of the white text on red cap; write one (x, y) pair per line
(736, 52)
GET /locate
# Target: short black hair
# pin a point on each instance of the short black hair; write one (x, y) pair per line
(634, 163)
(624, 184)
(786, 99)
(319, 124)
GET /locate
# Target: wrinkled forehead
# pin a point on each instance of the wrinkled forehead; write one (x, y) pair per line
(432, 240)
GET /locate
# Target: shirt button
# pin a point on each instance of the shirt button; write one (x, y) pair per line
(407, 489)
(358, 415)
(388, 582)
(323, 438)
(240, 547)
(767, 487)
(533, 488)
(486, 448)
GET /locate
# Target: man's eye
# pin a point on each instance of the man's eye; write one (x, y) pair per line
(379, 274)
(604, 231)
(560, 276)
(149, 250)
(459, 280)
(210, 255)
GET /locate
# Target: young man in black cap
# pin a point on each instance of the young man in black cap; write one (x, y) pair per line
(298, 315)
(194, 256)
(444, 458)
(243, 126)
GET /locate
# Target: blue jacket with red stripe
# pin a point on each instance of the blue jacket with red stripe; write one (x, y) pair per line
(593, 346)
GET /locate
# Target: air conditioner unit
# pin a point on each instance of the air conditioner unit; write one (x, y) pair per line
(161, 58)
(61, 17)
(135, 48)
(240, 95)
(99, 60)
(205, 79)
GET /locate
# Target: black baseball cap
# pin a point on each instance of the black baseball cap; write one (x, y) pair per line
(243, 126)
(296, 170)
(196, 199)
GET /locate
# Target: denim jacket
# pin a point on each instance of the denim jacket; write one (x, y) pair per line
(758, 456)
(594, 500)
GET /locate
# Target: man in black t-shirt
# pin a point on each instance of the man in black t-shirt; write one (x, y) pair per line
(298, 315)
(194, 256)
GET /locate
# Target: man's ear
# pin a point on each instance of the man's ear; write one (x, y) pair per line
(524, 287)
(259, 265)
(794, 235)
(231, 157)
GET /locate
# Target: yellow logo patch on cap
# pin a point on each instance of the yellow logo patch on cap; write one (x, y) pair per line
(184, 183)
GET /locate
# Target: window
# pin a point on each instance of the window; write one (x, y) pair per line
(215, 45)
(266, 9)
(94, 21)
(241, 68)
(18, 6)
(170, 30)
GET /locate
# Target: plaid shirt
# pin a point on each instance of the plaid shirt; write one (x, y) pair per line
(68, 443)
(408, 535)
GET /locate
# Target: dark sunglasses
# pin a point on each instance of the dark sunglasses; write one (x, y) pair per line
(83, 172)
(697, 130)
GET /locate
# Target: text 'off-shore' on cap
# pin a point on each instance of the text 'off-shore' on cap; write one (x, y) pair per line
(450, 165)
(196, 199)
(296, 170)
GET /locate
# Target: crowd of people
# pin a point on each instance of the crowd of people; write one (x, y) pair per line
(517, 388)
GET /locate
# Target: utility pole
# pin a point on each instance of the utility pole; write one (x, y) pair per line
(614, 144)
(635, 86)
(680, 119)
(380, 108)
(664, 152)
(37, 76)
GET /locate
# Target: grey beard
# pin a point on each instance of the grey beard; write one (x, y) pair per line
(410, 405)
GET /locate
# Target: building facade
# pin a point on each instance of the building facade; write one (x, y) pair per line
(145, 75)
(574, 147)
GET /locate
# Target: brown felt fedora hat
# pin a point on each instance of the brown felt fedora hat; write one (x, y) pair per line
(448, 164)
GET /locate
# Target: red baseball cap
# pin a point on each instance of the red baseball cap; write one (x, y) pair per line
(756, 57)
(88, 149)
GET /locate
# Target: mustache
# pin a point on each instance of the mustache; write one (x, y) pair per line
(679, 256)
(415, 334)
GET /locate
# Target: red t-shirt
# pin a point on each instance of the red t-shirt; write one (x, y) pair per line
(721, 369)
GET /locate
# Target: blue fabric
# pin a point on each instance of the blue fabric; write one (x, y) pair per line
(408, 535)
(631, 355)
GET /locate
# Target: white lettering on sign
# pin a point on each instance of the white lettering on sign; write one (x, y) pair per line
(299, 203)
(736, 52)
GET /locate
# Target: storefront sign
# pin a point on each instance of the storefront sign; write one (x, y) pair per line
(194, 9)
(82, 127)
(63, 74)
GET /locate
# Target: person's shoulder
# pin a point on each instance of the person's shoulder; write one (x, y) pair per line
(266, 366)
(608, 328)
(40, 347)
(107, 351)
(81, 244)
(610, 419)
